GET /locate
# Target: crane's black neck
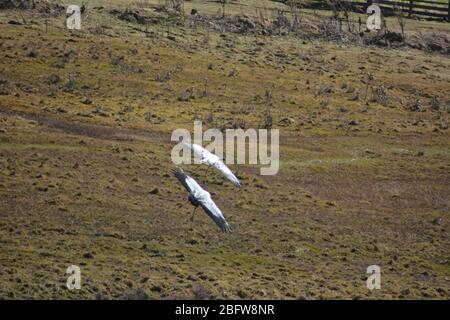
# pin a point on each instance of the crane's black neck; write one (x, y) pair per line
(193, 201)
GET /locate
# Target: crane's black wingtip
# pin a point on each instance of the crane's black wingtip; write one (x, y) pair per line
(176, 169)
(178, 172)
(182, 177)
(237, 183)
(227, 228)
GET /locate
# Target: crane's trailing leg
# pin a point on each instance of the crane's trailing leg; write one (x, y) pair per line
(193, 215)
(195, 203)
(206, 175)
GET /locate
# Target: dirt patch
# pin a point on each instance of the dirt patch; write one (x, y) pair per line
(90, 130)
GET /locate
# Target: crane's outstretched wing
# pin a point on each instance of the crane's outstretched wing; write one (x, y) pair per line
(188, 183)
(201, 152)
(208, 158)
(219, 165)
(214, 213)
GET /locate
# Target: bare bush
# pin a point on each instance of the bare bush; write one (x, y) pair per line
(398, 12)
(223, 4)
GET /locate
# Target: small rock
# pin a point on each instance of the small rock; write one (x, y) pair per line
(53, 79)
(32, 53)
(144, 280)
(242, 294)
(4, 88)
(405, 292)
(86, 100)
(192, 241)
(233, 73)
(135, 294)
(285, 121)
(88, 255)
(156, 289)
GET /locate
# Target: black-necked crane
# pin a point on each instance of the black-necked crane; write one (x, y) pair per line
(199, 197)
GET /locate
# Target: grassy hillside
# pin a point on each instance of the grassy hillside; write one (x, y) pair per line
(85, 125)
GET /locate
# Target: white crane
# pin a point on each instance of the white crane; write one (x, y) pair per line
(200, 197)
(211, 160)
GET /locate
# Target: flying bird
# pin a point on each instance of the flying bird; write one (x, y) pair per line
(211, 160)
(200, 197)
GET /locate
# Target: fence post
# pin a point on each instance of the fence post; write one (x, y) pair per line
(410, 8)
(448, 17)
